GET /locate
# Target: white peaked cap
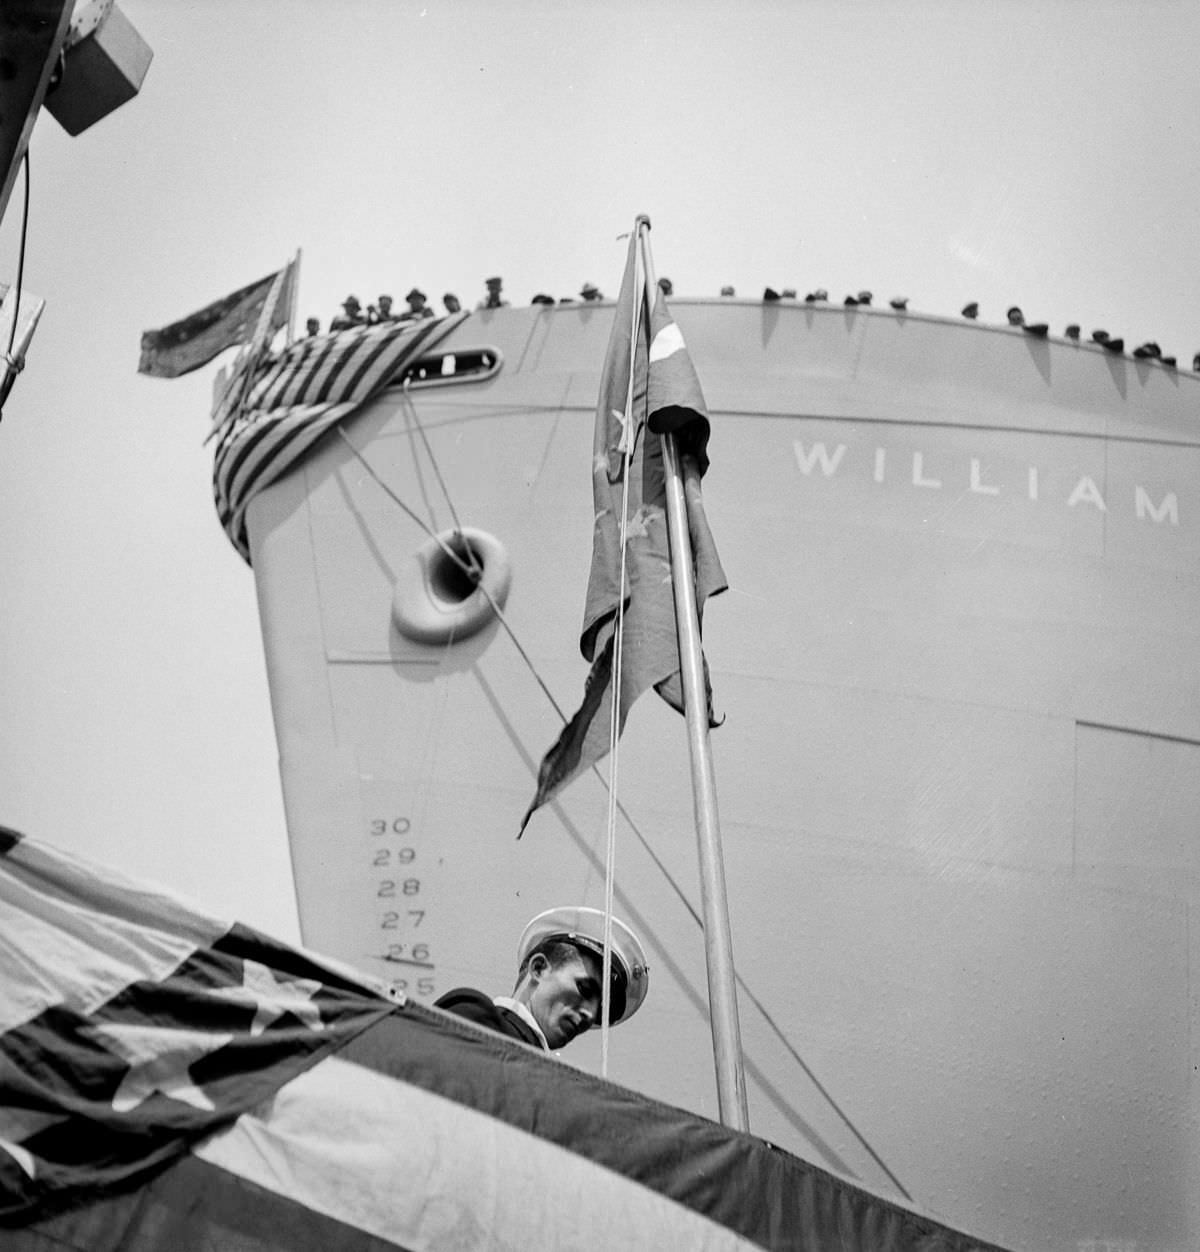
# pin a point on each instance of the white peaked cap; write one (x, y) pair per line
(584, 928)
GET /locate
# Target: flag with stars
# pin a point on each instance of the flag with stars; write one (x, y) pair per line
(131, 1026)
(195, 340)
(665, 396)
(171, 1082)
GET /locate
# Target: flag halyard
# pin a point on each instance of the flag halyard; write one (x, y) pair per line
(666, 398)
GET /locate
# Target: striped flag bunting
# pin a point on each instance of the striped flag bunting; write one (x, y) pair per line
(666, 397)
(169, 1081)
(297, 397)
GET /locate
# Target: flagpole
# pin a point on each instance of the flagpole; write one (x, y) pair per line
(244, 382)
(718, 941)
(293, 291)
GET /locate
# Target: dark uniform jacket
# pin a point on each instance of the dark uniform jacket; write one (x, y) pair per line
(477, 1007)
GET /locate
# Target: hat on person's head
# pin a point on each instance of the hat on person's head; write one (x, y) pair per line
(349, 300)
(493, 282)
(386, 297)
(589, 289)
(415, 293)
(584, 928)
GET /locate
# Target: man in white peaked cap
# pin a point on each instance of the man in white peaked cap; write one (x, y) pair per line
(559, 970)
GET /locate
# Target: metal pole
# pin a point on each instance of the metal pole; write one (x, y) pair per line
(34, 34)
(294, 291)
(718, 942)
(229, 407)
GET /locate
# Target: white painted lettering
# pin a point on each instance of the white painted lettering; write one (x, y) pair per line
(1168, 510)
(1087, 491)
(977, 486)
(819, 454)
(919, 479)
(1156, 505)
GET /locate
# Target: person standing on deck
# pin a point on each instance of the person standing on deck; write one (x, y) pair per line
(494, 298)
(418, 310)
(557, 996)
(382, 312)
(352, 315)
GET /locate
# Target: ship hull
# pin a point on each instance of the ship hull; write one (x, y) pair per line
(959, 771)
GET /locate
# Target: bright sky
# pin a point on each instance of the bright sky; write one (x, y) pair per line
(1039, 152)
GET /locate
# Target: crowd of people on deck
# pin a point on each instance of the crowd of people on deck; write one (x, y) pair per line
(1014, 316)
(353, 314)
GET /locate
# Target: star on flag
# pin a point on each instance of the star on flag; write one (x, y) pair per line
(159, 1059)
(648, 391)
(272, 997)
(626, 423)
(639, 524)
(17, 1125)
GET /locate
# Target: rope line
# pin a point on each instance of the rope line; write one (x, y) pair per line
(12, 334)
(470, 570)
(409, 414)
(412, 410)
(628, 439)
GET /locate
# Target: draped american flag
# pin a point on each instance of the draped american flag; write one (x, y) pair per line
(299, 395)
(172, 1081)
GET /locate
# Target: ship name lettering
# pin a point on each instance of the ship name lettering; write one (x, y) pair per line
(1169, 508)
(819, 453)
(830, 462)
(979, 487)
(919, 479)
(1087, 491)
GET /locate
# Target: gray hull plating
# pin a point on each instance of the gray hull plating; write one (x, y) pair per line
(959, 774)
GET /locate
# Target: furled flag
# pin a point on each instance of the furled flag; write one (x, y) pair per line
(188, 344)
(666, 397)
(168, 1081)
(298, 396)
